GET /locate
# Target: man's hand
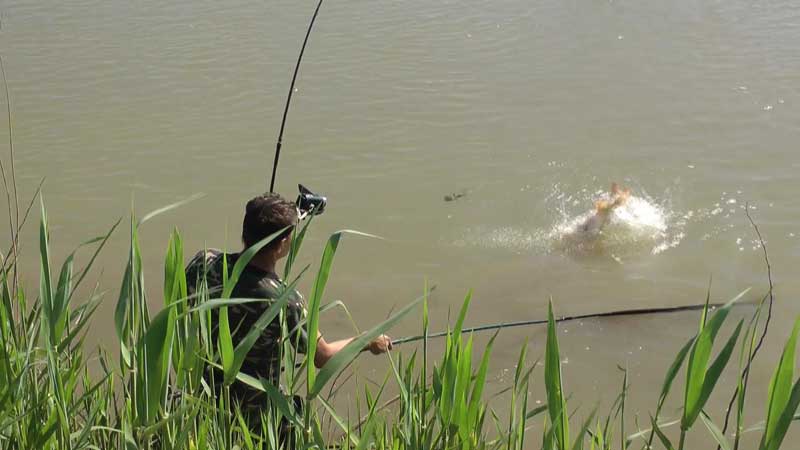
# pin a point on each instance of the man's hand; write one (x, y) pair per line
(326, 350)
(380, 344)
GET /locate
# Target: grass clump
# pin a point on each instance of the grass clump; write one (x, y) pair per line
(154, 393)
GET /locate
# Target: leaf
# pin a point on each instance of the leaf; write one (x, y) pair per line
(695, 394)
(190, 362)
(297, 242)
(157, 346)
(338, 420)
(462, 314)
(779, 386)
(480, 382)
(315, 299)
(103, 241)
(281, 402)
(120, 317)
(124, 304)
(661, 436)
(535, 412)
(169, 207)
(787, 415)
(342, 358)
(225, 343)
(578, 445)
(60, 310)
(366, 436)
(673, 370)
(643, 433)
(714, 372)
(174, 275)
(716, 433)
(45, 281)
(552, 376)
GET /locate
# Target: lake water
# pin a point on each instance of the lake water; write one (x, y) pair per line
(531, 109)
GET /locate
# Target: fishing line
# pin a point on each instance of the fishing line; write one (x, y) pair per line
(289, 99)
(626, 312)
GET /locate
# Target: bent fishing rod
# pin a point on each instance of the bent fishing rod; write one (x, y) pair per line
(279, 143)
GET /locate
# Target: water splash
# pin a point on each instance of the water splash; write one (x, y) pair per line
(509, 238)
(639, 226)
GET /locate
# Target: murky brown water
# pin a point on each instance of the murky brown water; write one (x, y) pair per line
(529, 107)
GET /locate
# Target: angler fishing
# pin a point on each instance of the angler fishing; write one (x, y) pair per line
(268, 228)
(270, 224)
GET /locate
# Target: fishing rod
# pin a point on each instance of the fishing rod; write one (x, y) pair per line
(279, 144)
(620, 313)
(522, 323)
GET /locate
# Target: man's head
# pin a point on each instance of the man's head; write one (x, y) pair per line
(265, 215)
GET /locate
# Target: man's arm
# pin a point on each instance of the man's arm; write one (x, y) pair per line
(326, 350)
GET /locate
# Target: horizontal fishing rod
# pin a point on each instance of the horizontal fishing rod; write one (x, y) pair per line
(625, 312)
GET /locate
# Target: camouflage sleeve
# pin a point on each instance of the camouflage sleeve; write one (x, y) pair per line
(195, 268)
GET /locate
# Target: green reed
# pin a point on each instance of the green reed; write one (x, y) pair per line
(153, 394)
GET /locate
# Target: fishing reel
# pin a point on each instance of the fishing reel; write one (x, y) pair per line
(310, 203)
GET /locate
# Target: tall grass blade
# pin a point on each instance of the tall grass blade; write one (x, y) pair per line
(716, 368)
(716, 433)
(169, 207)
(552, 375)
(780, 387)
(672, 372)
(661, 436)
(696, 390)
(156, 349)
(45, 281)
(480, 382)
(782, 426)
(174, 275)
(297, 242)
(315, 299)
(462, 314)
(578, 444)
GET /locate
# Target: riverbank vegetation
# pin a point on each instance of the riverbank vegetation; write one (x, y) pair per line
(153, 394)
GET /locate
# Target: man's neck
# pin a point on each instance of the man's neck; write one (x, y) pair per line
(265, 262)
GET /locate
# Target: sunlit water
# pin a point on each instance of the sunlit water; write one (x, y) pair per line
(530, 108)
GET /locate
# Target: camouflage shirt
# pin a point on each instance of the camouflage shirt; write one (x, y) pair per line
(263, 360)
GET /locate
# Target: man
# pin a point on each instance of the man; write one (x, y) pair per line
(264, 215)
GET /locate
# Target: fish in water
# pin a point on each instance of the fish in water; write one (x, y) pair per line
(454, 196)
(604, 208)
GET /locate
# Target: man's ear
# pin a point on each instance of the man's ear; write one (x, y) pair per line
(286, 241)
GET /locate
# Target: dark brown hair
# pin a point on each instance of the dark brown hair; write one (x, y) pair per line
(265, 215)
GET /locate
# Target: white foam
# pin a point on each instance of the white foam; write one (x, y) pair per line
(638, 226)
(641, 226)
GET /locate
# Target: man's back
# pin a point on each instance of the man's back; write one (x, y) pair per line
(263, 360)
